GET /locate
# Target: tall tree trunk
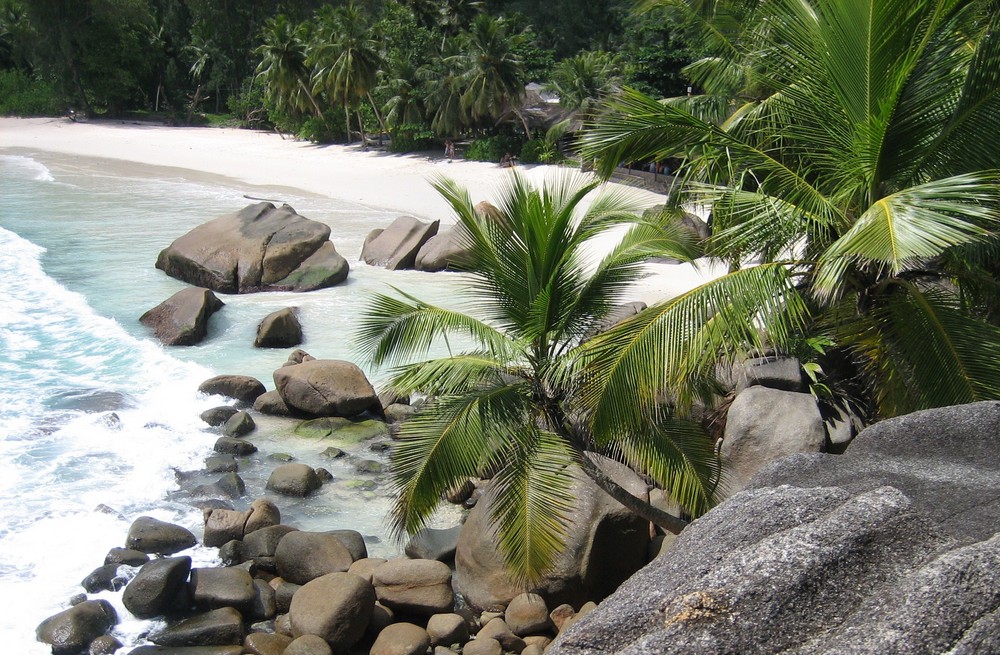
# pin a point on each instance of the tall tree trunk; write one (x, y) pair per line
(194, 104)
(312, 99)
(378, 116)
(347, 122)
(637, 506)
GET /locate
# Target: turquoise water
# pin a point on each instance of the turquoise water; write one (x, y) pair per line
(78, 240)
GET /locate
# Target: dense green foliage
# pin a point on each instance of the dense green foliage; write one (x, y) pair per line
(511, 407)
(22, 95)
(849, 150)
(457, 67)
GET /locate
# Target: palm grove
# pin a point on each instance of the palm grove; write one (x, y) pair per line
(422, 70)
(847, 150)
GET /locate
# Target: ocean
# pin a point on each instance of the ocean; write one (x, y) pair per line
(97, 418)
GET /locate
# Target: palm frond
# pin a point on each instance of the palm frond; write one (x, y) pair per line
(451, 375)
(393, 330)
(672, 348)
(531, 502)
(450, 439)
(914, 224)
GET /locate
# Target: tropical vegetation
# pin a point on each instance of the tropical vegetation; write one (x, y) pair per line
(511, 405)
(849, 153)
(321, 70)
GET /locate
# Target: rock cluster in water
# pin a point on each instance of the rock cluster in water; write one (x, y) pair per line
(259, 248)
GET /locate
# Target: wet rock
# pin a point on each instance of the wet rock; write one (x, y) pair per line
(308, 645)
(239, 424)
(221, 464)
(280, 329)
(243, 388)
(214, 588)
(434, 543)
(104, 578)
(266, 643)
(264, 542)
(182, 319)
(233, 446)
(294, 479)
(150, 535)
(220, 627)
(265, 604)
(71, 631)
(217, 416)
(126, 556)
(104, 645)
(272, 404)
(155, 588)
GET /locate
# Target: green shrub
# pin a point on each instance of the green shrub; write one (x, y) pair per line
(540, 151)
(322, 130)
(493, 148)
(248, 106)
(24, 95)
(411, 138)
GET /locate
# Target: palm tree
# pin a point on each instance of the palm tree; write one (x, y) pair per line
(401, 85)
(857, 167)
(494, 73)
(283, 66)
(583, 80)
(510, 405)
(347, 59)
(444, 79)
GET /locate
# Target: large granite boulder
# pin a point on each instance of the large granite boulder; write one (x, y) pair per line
(280, 329)
(902, 555)
(605, 544)
(336, 607)
(72, 630)
(214, 588)
(449, 248)
(326, 387)
(260, 247)
(182, 319)
(218, 627)
(294, 479)
(396, 246)
(766, 424)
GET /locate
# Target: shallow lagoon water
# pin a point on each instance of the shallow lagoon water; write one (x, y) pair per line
(78, 240)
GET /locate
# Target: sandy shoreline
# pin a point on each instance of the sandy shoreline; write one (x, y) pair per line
(373, 178)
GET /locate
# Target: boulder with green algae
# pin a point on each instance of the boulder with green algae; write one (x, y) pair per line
(341, 429)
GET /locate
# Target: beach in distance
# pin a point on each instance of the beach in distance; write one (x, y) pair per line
(373, 177)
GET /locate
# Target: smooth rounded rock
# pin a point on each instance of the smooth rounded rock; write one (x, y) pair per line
(303, 556)
(308, 645)
(527, 614)
(72, 630)
(155, 588)
(150, 535)
(294, 479)
(401, 639)
(336, 607)
(447, 629)
(417, 586)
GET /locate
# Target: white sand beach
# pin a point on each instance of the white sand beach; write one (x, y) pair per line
(374, 177)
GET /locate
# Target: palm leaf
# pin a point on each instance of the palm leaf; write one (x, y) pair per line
(531, 502)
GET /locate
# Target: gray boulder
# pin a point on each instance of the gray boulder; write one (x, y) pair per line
(605, 544)
(447, 628)
(71, 631)
(294, 479)
(244, 388)
(434, 543)
(336, 607)
(239, 424)
(901, 556)
(213, 588)
(396, 246)
(783, 373)
(303, 556)
(219, 627)
(150, 535)
(257, 248)
(326, 387)
(265, 602)
(264, 542)
(272, 404)
(182, 319)
(766, 424)
(217, 416)
(353, 541)
(447, 249)
(234, 446)
(155, 588)
(414, 586)
(266, 643)
(280, 329)
(483, 646)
